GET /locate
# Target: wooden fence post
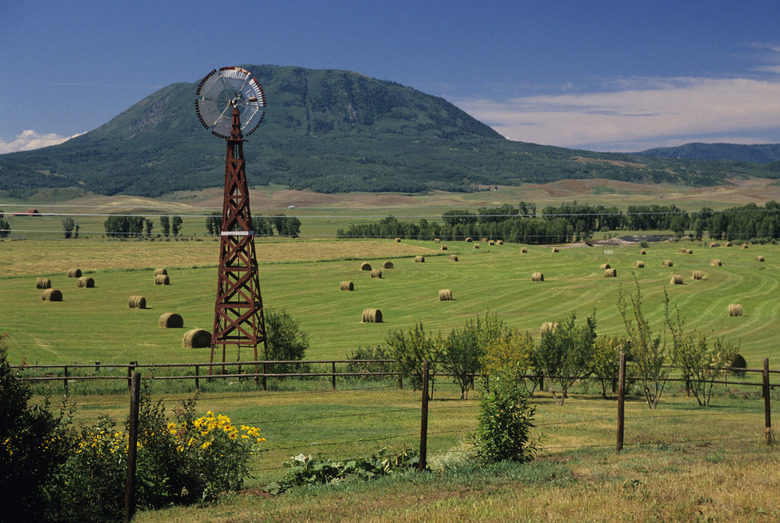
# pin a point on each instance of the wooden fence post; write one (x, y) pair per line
(767, 405)
(265, 384)
(424, 420)
(333, 376)
(130, 370)
(197, 381)
(621, 402)
(65, 381)
(132, 446)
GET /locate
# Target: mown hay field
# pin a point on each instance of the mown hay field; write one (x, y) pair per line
(303, 277)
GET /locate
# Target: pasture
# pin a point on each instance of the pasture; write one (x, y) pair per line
(303, 277)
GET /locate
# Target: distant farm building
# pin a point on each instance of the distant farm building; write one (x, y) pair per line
(28, 212)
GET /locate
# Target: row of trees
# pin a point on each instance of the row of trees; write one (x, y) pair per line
(568, 352)
(573, 221)
(126, 226)
(262, 225)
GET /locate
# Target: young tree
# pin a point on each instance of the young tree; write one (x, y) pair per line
(564, 353)
(605, 363)
(284, 340)
(464, 349)
(5, 228)
(701, 361)
(176, 225)
(411, 349)
(148, 226)
(68, 224)
(511, 356)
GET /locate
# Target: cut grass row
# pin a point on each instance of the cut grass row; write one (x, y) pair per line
(96, 324)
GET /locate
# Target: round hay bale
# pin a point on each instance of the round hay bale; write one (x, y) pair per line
(523, 250)
(388, 265)
(683, 250)
(642, 252)
(744, 246)
(419, 259)
(476, 246)
(444, 247)
(491, 243)
(499, 242)
(196, 339)
(484, 240)
(137, 302)
(372, 316)
(159, 271)
(676, 279)
(347, 286)
(698, 275)
(605, 266)
(42, 283)
(714, 244)
(547, 326)
(667, 263)
(162, 279)
(51, 295)
(735, 309)
(715, 262)
(365, 266)
(468, 240)
(398, 240)
(759, 258)
(537, 276)
(171, 320)
(86, 282)
(74, 273)
(437, 240)
(554, 249)
(376, 273)
(737, 363)
(639, 264)
(688, 251)
(610, 273)
(445, 295)
(453, 258)
(729, 244)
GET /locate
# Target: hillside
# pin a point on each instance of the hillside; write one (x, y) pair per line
(758, 153)
(327, 131)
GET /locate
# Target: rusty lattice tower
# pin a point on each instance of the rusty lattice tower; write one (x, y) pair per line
(230, 102)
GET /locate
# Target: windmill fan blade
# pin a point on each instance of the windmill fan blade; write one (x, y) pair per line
(220, 91)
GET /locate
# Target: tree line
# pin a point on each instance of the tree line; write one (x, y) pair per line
(578, 222)
(263, 225)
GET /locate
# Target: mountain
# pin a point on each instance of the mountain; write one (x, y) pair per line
(759, 153)
(328, 131)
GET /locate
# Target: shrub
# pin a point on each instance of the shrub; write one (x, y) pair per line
(411, 349)
(504, 423)
(464, 349)
(284, 341)
(511, 354)
(369, 353)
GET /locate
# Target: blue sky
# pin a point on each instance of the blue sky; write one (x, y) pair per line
(600, 75)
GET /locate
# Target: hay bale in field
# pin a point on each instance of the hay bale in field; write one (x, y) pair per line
(554, 249)
(445, 295)
(372, 316)
(437, 240)
(523, 250)
(388, 265)
(159, 271)
(698, 275)
(537, 276)
(376, 273)
(547, 326)
(676, 279)
(476, 246)
(42, 283)
(729, 244)
(468, 240)
(683, 250)
(605, 266)
(715, 262)
(491, 243)
(499, 242)
(667, 263)
(347, 286)
(419, 259)
(639, 264)
(484, 240)
(74, 273)
(610, 273)
(744, 246)
(444, 247)
(365, 266)
(735, 309)
(162, 279)
(137, 302)
(642, 252)
(453, 258)
(86, 282)
(759, 258)
(171, 320)
(714, 244)
(51, 295)
(398, 240)
(196, 339)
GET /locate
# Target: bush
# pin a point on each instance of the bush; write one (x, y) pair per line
(368, 353)
(411, 349)
(284, 342)
(33, 443)
(512, 354)
(464, 349)
(504, 423)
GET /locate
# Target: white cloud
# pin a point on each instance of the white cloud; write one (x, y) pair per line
(29, 140)
(638, 113)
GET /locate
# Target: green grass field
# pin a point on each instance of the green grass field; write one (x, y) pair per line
(303, 278)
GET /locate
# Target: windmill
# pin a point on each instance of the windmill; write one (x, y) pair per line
(231, 104)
